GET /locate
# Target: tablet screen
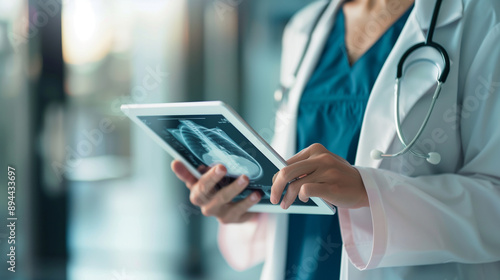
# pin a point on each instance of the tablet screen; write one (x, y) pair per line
(207, 140)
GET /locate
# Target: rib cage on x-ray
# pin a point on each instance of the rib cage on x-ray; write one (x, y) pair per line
(213, 146)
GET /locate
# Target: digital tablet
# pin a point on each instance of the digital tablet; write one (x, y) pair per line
(203, 134)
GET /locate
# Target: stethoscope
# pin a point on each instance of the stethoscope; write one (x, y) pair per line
(281, 94)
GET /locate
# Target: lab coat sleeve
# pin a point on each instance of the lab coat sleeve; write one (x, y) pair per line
(244, 245)
(443, 217)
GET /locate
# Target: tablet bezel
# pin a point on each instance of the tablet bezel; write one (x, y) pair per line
(133, 111)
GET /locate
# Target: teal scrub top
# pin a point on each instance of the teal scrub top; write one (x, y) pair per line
(330, 112)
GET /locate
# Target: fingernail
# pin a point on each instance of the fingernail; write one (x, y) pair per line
(219, 171)
(254, 197)
(242, 181)
(283, 205)
(181, 173)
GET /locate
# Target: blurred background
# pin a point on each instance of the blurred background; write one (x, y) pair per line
(95, 197)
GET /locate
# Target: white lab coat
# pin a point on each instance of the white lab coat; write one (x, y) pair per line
(425, 221)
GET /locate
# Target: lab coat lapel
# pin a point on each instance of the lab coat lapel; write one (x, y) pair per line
(451, 10)
(378, 129)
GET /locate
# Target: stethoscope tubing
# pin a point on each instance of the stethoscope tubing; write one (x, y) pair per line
(432, 157)
(440, 49)
(408, 147)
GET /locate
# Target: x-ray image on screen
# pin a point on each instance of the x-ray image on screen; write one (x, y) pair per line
(206, 140)
(213, 146)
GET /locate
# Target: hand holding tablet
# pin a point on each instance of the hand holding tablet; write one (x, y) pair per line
(203, 193)
(202, 135)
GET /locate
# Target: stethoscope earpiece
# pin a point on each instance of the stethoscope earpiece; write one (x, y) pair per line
(433, 158)
(376, 154)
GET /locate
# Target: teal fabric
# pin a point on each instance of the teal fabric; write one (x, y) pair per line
(330, 112)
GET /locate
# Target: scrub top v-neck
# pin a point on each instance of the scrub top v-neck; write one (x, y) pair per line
(330, 112)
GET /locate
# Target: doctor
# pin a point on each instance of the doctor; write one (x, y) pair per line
(425, 207)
